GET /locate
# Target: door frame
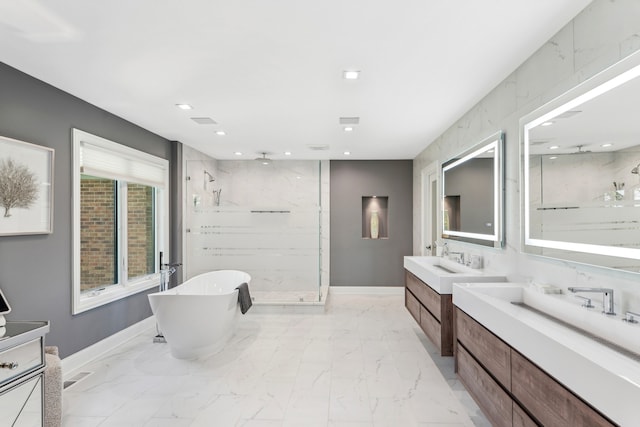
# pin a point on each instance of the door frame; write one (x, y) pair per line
(429, 207)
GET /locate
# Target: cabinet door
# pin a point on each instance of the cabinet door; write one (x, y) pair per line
(493, 353)
(490, 397)
(21, 405)
(547, 400)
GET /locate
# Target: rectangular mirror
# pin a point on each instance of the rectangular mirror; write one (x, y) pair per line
(581, 161)
(472, 190)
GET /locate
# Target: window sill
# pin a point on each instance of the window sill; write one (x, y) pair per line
(87, 302)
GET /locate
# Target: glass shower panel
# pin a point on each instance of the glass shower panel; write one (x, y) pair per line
(266, 221)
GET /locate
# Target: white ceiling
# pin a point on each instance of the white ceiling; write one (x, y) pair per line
(270, 72)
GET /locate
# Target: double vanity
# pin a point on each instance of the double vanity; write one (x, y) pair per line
(529, 355)
(538, 354)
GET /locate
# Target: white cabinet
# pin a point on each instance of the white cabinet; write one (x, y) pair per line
(22, 366)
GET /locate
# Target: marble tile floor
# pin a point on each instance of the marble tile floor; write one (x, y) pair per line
(364, 362)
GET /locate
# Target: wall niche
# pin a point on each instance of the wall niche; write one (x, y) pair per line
(375, 224)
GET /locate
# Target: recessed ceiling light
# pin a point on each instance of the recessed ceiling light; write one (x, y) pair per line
(347, 153)
(287, 153)
(237, 153)
(351, 74)
(554, 147)
(547, 124)
(553, 157)
(221, 133)
(605, 145)
(348, 129)
(184, 106)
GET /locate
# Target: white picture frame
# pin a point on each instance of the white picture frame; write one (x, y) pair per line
(26, 188)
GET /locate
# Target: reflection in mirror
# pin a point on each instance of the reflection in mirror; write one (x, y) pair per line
(581, 181)
(472, 186)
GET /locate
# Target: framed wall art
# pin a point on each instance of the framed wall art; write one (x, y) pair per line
(26, 188)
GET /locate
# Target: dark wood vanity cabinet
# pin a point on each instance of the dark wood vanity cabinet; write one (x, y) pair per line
(510, 389)
(432, 311)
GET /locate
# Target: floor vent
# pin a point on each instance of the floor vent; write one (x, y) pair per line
(76, 378)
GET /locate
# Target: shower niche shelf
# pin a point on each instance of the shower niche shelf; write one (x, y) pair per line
(372, 207)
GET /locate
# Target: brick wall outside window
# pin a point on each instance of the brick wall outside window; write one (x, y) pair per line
(98, 232)
(140, 230)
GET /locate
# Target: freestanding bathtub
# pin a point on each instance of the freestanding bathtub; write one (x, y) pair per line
(198, 317)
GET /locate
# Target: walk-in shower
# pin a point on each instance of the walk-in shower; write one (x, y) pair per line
(272, 221)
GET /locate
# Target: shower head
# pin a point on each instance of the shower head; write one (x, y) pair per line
(211, 178)
(264, 159)
(635, 170)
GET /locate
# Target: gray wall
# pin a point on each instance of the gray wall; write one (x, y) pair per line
(36, 271)
(365, 262)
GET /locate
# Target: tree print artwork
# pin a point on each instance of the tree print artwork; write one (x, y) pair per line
(18, 186)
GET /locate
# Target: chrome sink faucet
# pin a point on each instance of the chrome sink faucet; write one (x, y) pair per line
(457, 256)
(607, 297)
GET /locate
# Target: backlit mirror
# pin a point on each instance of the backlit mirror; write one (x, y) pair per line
(472, 189)
(581, 161)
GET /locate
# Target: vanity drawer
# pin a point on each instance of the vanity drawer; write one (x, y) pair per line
(491, 351)
(430, 326)
(18, 360)
(427, 296)
(547, 400)
(494, 401)
(412, 305)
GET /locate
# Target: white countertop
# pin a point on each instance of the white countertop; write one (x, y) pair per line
(607, 379)
(441, 273)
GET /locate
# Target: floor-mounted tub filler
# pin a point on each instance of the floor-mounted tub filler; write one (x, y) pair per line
(198, 317)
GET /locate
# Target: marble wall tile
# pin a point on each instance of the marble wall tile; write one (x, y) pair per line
(602, 29)
(551, 63)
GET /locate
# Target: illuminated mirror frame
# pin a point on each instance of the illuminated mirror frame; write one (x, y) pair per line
(496, 239)
(610, 78)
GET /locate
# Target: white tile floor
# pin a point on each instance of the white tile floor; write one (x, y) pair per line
(362, 363)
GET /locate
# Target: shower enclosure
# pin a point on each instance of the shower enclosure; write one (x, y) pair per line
(270, 220)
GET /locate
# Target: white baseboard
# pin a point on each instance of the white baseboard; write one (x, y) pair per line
(74, 363)
(366, 290)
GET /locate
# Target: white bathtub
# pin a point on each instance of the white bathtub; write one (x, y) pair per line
(198, 317)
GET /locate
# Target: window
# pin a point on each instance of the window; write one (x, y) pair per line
(120, 220)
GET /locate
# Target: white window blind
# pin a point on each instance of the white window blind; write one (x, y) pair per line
(107, 159)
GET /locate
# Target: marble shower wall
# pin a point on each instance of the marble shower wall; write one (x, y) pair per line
(602, 34)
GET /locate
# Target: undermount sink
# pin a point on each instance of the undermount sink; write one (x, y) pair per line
(593, 354)
(441, 273)
(445, 269)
